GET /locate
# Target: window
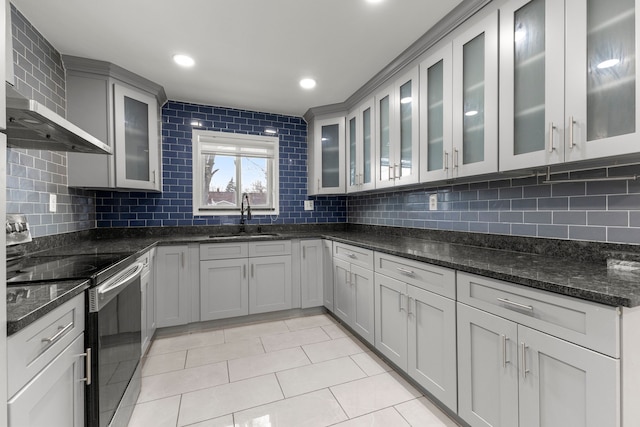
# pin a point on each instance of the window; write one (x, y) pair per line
(227, 165)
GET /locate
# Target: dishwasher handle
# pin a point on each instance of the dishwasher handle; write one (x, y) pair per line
(121, 280)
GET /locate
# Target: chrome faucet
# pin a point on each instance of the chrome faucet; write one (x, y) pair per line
(244, 197)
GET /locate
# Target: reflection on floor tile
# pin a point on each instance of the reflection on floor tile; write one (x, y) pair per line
(314, 409)
(298, 372)
(228, 398)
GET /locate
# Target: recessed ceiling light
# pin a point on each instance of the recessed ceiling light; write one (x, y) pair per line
(183, 60)
(307, 83)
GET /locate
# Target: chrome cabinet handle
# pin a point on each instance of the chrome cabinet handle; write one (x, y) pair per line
(391, 172)
(87, 366)
(405, 271)
(446, 160)
(551, 129)
(516, 304)
(400, 295)
(61, 331)
(154, 176)
(524, 348)
(409, 312)
(571, 123)
(396, 175)
(504, 339)
(455, 158)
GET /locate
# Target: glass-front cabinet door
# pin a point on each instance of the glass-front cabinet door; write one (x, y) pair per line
(360, 148)
(475, 99)
(435, 115)
(601, 94)
(531, 83)
(328, 174)
(136, 139)
(397, 131)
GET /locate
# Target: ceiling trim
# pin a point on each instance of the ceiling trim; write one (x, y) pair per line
(440, 30)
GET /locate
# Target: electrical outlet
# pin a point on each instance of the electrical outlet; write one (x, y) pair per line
(308, 205)
(52, 202)
(433, 202)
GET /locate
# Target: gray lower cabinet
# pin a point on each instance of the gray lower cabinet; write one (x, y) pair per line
(46, 368)
(311, 273)
(353, 297)
(327, 273)
(511, 374)
(242, 278)
(224, 288)
(416, 328)
(173, 289)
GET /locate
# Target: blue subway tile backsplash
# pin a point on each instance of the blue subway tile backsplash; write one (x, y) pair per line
(174, 205)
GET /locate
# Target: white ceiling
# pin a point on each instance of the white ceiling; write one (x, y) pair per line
(249, 54)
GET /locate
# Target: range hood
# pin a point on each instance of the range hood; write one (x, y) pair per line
(32, 125)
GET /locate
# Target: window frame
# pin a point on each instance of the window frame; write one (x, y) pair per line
(200, 138)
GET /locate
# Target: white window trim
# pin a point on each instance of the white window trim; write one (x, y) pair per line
(200, 137)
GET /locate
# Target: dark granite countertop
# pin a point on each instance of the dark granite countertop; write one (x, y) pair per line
(591, 281)
(26, 304)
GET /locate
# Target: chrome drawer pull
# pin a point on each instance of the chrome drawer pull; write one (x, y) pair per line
(61, 331)
(405, 271)
(516, 304)
(350, 254)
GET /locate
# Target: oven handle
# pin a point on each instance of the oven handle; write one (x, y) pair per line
(122, 280)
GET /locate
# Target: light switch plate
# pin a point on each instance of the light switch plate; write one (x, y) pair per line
(308, 205)
(433, 202)
(52, 202)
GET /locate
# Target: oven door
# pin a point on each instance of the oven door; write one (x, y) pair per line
(114, 335)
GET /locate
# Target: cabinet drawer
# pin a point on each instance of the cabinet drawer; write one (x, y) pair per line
(223, 250)
(353, 254)
(32, 348)
(585, 323)
(269, 248)
(429, 277)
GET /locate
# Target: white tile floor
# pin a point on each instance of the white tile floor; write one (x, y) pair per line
(306, 371)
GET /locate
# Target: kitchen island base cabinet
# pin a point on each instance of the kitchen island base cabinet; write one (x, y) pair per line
(512, 375)
(55, 397)
(173, 288)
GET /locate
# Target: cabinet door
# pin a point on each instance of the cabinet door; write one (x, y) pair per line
(385, 129)
(328, 160)
(391, 319)
(366, 149)
(269, 284)
(136, 139)
(55, 397)
(602, 103)
(144, 290)
(363, 308)
(475, 99)
(407, 137)
(436, 143)
(173, 293)
(432, 344)
(352, 152)
(487, 369)
(311, 272)
(224, 288)
(343, 294)
(531, 83)
(327, 273)
(562, 384)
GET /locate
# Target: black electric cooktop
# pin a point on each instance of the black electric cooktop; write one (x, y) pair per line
(62, 267)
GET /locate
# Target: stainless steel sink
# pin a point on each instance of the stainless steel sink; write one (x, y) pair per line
(243, 236)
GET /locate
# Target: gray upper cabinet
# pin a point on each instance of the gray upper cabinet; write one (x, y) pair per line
(122, 109)
(326, 156)
(475, 99)
(568, 81)
(360, 148)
